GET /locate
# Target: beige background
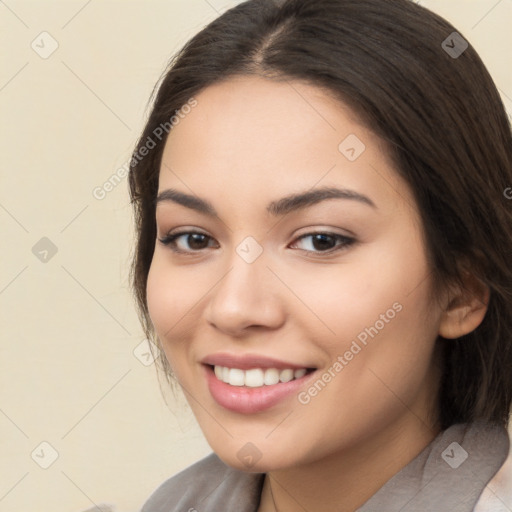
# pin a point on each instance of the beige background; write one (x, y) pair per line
(69, 375)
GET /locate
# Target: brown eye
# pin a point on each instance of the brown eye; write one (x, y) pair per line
(324, 242)
(189, 241)
(197, 241)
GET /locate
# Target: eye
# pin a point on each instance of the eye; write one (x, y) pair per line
(195, 241)
(324, 242)
(186, 241)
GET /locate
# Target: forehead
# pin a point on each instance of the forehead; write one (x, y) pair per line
(248, 115)
(251, 137)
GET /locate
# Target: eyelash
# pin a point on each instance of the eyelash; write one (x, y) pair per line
(170, 241)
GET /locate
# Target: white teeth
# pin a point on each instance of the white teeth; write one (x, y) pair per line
(236, 377)
(286, 375)
(299, 373)
(256, 377)
(271, 377)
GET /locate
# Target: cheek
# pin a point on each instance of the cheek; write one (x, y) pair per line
(385, 330)
(171, 299)
(172, 293)
(366, 288)
(375, 313)
(384, 369)
(161, 297)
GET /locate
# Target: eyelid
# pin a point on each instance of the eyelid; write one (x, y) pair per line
(318, 228)
(184, 231)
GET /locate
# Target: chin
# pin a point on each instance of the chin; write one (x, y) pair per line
(253, 457)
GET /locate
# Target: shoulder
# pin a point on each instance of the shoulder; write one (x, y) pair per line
(497, 495)
(204, 486)
(451, 473)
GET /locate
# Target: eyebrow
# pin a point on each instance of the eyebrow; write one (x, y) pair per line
(287, 204)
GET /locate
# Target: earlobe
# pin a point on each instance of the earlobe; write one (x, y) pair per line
(466, 310)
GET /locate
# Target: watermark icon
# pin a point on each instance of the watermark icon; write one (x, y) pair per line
(249, 454)
(361, 341)
(146, 352)
(44, 249)
(44, 455)
(158, 134)
(454, 45)
(44, 45)
(351, 147)
(454, 455)
(508, 193)
(249, 249)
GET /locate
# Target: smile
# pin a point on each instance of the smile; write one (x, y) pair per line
(257, 377)
(254, 390)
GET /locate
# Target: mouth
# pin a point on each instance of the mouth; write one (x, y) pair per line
(258, 377)
(251, 384)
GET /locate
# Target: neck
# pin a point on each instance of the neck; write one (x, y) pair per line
(346, 479)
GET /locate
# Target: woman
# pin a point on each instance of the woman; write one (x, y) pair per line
(323, 247)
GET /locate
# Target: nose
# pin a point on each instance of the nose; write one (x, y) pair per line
(248, 296)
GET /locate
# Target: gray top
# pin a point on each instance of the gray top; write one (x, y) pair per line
(448, 475)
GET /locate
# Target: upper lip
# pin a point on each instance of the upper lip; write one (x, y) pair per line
(248, 361)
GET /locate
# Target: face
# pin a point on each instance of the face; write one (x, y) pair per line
(250, 287)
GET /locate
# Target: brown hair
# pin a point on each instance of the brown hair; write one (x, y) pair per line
(443, 122)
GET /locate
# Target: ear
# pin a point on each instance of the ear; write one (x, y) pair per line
(465, 308)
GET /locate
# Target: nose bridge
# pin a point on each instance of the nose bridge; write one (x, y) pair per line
(246, 280)
(245, 295)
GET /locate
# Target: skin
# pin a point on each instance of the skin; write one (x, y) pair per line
(250, 141)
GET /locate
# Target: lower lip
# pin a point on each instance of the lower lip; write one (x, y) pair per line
(246, 400)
